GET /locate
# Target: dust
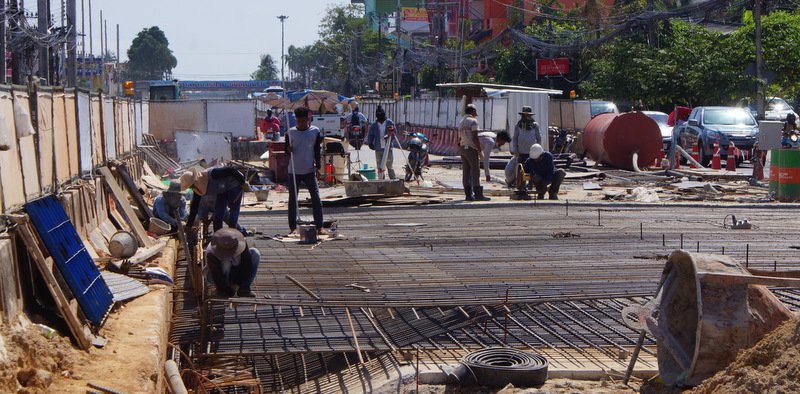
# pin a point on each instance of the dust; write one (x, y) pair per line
(32, 362)
(772, 365)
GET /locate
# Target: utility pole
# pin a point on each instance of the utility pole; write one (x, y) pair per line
(102, 56)
(759, 61)
(3, 40)
(116, 66)
(283, 19)
(83, 41)
(71, 44)
(43, 10)
(16, 56)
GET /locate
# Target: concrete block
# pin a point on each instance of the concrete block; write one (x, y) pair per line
(394, 187)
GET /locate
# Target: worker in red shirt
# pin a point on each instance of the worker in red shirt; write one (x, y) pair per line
(271, 126)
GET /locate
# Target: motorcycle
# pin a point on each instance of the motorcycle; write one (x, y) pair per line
(355, 136)
(789, 139)
(563, 142)
(417, 146)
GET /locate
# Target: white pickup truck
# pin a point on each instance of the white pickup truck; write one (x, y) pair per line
(331, 125)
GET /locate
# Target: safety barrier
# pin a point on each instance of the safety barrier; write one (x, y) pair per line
(443, 140)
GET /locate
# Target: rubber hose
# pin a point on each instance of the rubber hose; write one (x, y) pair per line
(497, 367)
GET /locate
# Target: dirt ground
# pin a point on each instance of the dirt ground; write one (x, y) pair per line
(772, 366)
(552, 386)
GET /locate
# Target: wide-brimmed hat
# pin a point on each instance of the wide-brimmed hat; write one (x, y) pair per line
(187, 179)
(173, 195)
(526, 110)
(226, 243)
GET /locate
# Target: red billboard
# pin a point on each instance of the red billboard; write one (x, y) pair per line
(558, 66)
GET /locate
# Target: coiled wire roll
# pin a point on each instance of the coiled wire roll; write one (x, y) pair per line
(497, 367)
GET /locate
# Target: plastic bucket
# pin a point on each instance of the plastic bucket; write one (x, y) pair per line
(789, 175)
(368, 173)
(774, 168)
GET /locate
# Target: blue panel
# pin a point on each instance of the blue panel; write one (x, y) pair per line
(71, 257)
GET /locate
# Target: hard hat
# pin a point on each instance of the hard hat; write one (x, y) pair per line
(536, 151)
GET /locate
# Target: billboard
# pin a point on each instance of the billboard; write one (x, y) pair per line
(557, 66)
(414, 20)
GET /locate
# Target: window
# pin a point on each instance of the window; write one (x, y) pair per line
(728, 117)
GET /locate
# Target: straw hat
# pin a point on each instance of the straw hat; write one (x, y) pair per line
(187, 179)
(226, 243)
(172, 196)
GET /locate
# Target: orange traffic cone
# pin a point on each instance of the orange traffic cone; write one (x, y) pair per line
(731, 164)
(695, 155)
(716, 159)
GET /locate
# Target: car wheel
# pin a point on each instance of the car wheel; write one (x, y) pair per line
(704, 159)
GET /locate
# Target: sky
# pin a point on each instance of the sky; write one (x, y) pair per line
(212, 40)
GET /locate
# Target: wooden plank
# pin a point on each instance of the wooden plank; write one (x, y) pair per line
(71, 122)
(10, 291)
(98, 142)
(122, 203)
(144, 209)
(10, 169)
(28, 236)
(30, 172)
(46, 150)
(60, 139)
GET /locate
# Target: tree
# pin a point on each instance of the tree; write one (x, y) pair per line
(266, 69)
(149, 56)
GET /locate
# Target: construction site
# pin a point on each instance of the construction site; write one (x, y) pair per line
(632, 280)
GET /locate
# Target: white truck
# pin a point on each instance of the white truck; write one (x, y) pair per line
(331, 125)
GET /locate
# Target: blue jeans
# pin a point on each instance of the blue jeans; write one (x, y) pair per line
(207, 207)
(310, 180)
(229, 199)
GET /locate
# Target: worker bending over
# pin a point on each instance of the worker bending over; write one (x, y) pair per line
(543, 172)
(231, 264)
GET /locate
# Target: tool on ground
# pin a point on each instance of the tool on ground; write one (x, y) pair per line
(743, 224)
(358, 287)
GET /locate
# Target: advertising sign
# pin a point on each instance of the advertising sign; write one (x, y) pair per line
(558, 66)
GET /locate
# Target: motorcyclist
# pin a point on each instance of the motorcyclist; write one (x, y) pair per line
(356, 119)
(790, 131)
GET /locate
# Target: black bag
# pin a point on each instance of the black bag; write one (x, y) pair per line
(355, 120)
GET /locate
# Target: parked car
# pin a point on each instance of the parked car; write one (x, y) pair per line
(602, 107)
(666, 130)
(718, 124)
(777, 109)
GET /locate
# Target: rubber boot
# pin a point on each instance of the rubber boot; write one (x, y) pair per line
(468, 194)
(479, 194)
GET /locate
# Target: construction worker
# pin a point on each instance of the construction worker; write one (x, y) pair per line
(226, 183)
(526, 133)
(304, 145)
(470, 155)
(231, 263)
(380, 140)
(543, 172)
(170, 206)
(488, 141)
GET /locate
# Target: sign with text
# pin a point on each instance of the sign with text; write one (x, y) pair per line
(558, 66)
(414, 14)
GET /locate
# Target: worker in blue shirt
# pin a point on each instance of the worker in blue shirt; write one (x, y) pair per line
(169, 204)
(543, 172)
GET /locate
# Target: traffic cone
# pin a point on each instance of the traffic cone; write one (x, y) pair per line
(731, 164)
(677, 160)
(716, 159)
(695, 155)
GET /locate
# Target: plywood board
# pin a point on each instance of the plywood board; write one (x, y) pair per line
(85, 132)
(127, 119)
(137, 121)
(60, 139)
(209, 145)
(146, 118)
(237, 117)
(165, 117)
(11, 185)
(10, 292)
(109, 129)
(44, 104)
(98, 142)
(30, 174)
(71, 123)
(120, 197)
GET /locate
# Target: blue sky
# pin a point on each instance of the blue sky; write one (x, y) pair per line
(212, 40)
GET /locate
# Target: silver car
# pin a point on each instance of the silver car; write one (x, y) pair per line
(661, 120)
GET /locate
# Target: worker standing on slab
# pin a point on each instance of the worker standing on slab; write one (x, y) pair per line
(380, 139)
(488, 140)
(304, 145)
(227, 184)
(231, 263)
(170, 206)
(543, 172)
(470, 155)
(526, 134)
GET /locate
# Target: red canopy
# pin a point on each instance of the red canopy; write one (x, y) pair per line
(683, 114)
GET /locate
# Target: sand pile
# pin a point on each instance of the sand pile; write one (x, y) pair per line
(29, 362)
(772, 365)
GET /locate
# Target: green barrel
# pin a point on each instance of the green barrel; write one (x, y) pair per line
(789, 175)
(774, 168)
